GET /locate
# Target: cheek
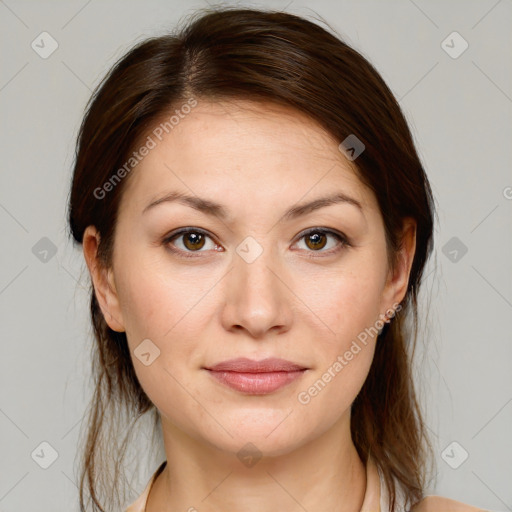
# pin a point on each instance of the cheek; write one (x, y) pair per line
(171, 310)
(344, 302)
(164, 314)
(346, 309)
(158, 302)
(342, 360)
(326, 398)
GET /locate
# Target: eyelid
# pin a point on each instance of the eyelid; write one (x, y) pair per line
(183, 231)
(344, 242)
(327, 231)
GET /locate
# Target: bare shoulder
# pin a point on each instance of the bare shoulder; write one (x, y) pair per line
(440, 504)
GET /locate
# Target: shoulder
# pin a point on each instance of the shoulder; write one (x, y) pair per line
(440, 504)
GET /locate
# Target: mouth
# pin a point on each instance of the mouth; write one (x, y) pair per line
(260, 383)
(256, 377)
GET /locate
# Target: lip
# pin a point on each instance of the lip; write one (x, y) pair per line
(256, 377)
(242, 364)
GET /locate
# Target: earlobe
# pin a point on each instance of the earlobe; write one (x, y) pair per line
(102, 280)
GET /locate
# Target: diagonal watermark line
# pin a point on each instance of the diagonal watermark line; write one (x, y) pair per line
(13, 279)
(501, 409)
(426, 276)
(484, 218)
(71, 480)
(77, 280)
(432, 433)
(291, 496)
(295, 295)
(287, 5)
(192, 307)
(424, 14)
(71, 275)
(76, 76)
(433, 479)
(427, 73)
(14, 486)
(13, 423)
(492, 81)
(13, 218)
(306, 193)
(217, 485)
(499, 1)
(192, 192)
(71, 429)
(198, 402)
(75, 15)
(496, 290)
(11, 79)
(508, 508)
(279, 423)
(444, 380)
(13, 13)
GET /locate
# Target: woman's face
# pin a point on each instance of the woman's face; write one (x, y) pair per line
(271, 278)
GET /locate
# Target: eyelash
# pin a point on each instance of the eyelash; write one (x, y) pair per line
(191, 254)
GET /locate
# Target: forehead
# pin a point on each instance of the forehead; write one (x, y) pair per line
(242, 152)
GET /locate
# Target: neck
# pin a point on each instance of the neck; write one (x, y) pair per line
(323, 474)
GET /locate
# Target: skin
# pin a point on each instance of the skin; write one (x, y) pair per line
(257, 160)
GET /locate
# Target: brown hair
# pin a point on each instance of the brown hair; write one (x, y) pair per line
(275, 57)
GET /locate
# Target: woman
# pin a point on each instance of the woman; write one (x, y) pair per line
(256, 221)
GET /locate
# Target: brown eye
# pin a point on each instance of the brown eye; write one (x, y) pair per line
(316, 240)
(189, 241)
(193, 240)
(323, 241)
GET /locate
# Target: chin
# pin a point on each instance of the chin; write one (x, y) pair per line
(256, 445)
(263, 432)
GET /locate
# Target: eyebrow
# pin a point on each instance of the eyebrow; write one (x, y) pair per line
(215, 209)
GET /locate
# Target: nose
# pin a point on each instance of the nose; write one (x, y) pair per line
(257, 297)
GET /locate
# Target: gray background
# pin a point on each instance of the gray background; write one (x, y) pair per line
(460, 113)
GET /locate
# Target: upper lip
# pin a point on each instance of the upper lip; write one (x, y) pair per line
(242, 364)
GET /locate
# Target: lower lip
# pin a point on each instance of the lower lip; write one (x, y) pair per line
(256, 383)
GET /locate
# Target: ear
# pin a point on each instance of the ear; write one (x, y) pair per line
(103, 281)
(398, 278)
